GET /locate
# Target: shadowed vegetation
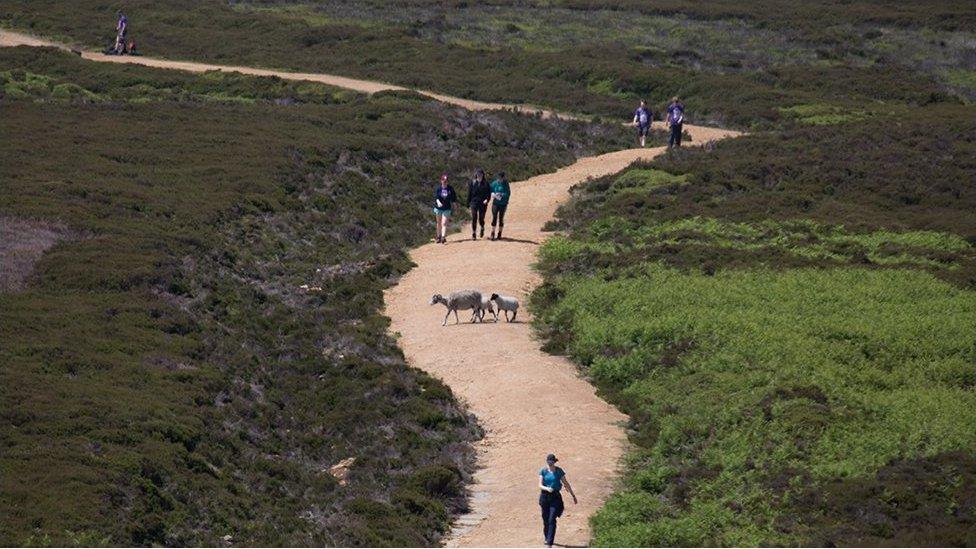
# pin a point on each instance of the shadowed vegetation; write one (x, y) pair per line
(491, 53)
(197, 363)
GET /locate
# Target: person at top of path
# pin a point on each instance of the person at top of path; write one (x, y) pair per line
(675, 121)
(501, 191)
(121, 29)
(642, 119)
(479, 193)
(444, 199)
(551, 481)
(121, 32)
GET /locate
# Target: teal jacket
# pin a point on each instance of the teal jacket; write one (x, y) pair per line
(501, 187)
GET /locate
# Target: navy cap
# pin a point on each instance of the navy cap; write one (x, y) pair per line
(552, 458)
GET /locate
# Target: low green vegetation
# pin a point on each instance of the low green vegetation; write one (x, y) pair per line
(753, 388)
(203, 343)
(820, 115)
(788, 320)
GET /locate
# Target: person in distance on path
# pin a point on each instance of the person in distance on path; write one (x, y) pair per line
(551, 481)
(121, 32)
(501, 191)
(479, 193)
(675, 121)
(444, 199)
(642, 119)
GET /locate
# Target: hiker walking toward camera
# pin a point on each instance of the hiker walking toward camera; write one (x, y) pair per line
(501, 191)
(642, 119)
(675, 121)
(551, 481)
(479, 193)
(444, 199)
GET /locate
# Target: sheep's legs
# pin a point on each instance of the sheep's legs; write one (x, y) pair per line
(456, 319)
(448, 315)
(514, 314)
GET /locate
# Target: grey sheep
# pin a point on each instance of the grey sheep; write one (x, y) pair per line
(463, 299)
(506, 303)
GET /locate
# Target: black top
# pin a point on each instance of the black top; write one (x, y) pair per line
(478, 192)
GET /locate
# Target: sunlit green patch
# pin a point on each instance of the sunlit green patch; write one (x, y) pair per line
(831, 373)
(607, 87)
(961, 77)
(302, 12)
(137, 88)
(646, 178)
(820, 114)
(21, 84)
(799, 237)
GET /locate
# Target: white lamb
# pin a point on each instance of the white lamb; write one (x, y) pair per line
(506, 303)
(463, 299)
(487, 305)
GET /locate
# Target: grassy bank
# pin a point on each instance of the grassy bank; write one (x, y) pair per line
(788, 319)
(202, 345)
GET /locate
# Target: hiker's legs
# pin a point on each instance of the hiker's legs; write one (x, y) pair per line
(501, 219)
(546, 507)
(478, 217)
(549, 516)
(444, 220)
(494, 219)
(675, 139)
(497, 219)
(437, 232)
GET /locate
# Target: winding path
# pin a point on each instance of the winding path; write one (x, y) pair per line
(528, 402)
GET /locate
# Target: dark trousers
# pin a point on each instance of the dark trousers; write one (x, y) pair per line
(675, 139)
(478, 215)
(498, 215)
(552, 508)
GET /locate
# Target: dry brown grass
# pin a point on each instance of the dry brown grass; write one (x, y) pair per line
(22, 243)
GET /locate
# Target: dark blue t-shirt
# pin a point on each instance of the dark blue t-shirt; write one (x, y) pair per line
(552, 479)
(676, 113)
(446, 196)
(643, 116)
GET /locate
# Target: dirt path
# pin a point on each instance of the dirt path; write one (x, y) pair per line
(10, 39)
(529, 402)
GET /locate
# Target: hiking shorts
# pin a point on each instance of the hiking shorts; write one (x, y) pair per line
(642, 130)
(446, 212)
